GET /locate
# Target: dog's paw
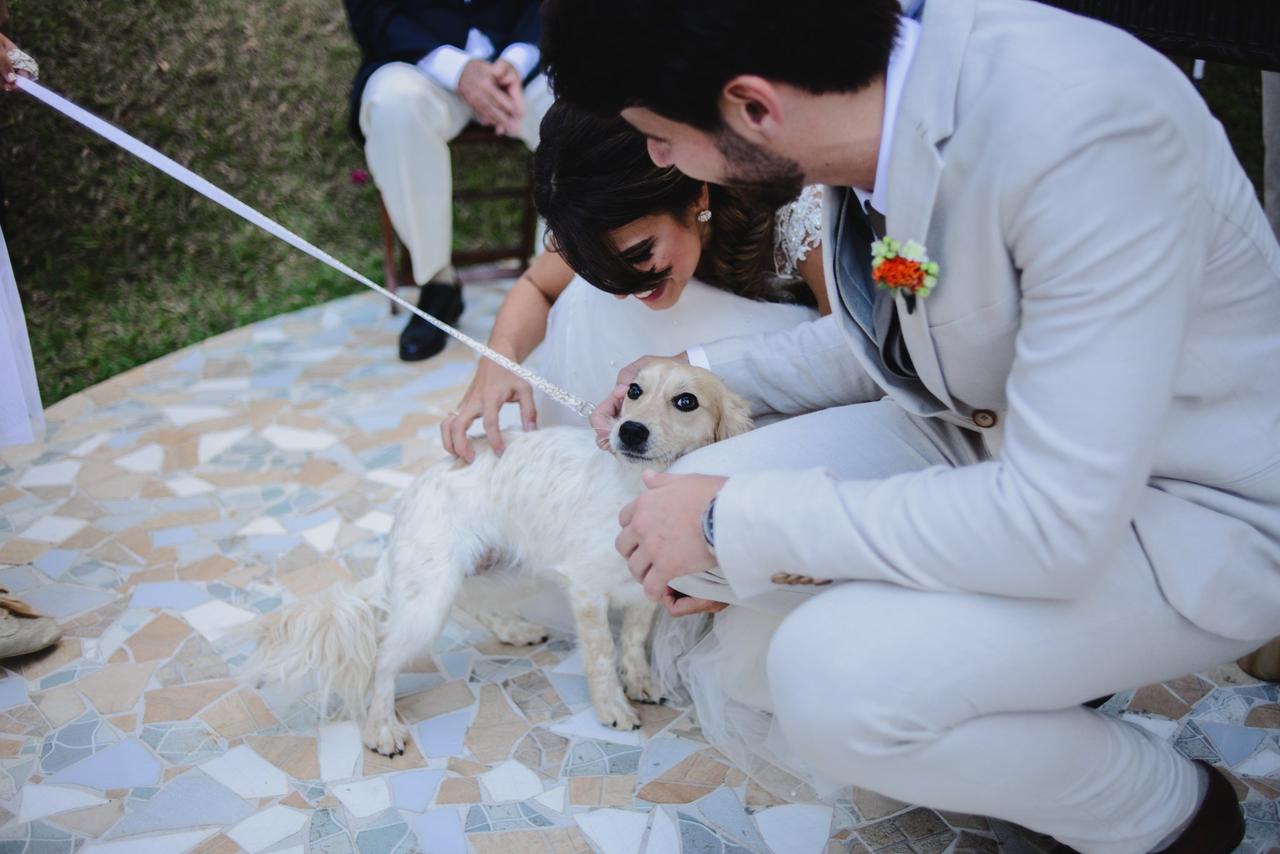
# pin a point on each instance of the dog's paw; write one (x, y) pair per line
(517, 632)
(618, 714)
(641, 686)
(387, 737)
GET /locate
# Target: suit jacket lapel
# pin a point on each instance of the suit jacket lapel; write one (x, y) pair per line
(926, 118)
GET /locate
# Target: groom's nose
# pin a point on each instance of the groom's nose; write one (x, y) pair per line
(660, 153)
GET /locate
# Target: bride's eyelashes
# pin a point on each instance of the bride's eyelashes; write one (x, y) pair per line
(639, 252)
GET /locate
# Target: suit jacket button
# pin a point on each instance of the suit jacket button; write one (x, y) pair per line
(984, 418)
(780, 578)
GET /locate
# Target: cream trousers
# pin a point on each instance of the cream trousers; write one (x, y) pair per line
(964, 702)
(407, 120)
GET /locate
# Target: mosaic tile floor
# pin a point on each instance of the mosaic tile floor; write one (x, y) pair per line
(178, 501)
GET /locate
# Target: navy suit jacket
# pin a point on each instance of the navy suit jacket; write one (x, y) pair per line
(407, 30)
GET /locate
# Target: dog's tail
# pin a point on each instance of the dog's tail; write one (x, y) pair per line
(331, 636)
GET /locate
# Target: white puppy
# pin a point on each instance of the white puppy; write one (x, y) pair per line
(478, 534)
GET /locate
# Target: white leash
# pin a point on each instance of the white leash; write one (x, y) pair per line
(175, 170)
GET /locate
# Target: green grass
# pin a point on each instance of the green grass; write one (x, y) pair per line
(119, 264)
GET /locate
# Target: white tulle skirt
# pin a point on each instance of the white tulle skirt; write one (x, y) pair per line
(716, 664)
(21, 415)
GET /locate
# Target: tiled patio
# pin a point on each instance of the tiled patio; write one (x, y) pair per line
(178, 501)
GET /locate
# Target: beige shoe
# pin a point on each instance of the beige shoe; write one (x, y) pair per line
(22, 630)
(1264, 663)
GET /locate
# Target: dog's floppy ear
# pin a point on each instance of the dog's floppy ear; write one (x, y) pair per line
(735, 416)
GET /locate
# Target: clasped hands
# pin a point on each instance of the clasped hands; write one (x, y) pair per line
(495, 93)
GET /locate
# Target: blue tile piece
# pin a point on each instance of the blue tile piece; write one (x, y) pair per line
(1234, 743)
(55, 562)
(121, 766)
(662, 754)
(383, 834)
(16, 579)
(170, 537)
(440, 832)
(443, 735)
(412, 683)
(457, 664)
(65, 600)
(450, 375)
(13, 692)
(723, 809)
(500, 817)
(413, 790)
(697, 838)
(273, 545)
(192, 794)
(295, 523)
(77, 740)
(572, 689)
(36, 838)
(176, 595)
(1194, 744)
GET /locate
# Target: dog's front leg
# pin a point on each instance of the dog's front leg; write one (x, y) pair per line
(637, 678)
(591, 613)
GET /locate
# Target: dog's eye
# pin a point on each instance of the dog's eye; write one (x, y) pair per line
(634, 392)
(685, 402)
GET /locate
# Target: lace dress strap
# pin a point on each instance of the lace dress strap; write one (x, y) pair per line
(797, 229)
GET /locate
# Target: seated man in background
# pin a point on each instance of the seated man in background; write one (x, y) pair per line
(429, 67)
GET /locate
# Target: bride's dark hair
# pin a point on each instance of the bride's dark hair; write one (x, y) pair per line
(593, 175)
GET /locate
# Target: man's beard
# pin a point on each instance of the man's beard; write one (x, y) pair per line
(770, 179)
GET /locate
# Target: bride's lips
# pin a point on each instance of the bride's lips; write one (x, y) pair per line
(651, 295)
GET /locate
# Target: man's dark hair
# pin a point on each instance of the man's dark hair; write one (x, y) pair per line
(675, 56)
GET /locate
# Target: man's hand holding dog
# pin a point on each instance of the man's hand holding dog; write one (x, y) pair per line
(661, 537)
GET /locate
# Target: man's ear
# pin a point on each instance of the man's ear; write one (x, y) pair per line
(735, 417)
(751, 106)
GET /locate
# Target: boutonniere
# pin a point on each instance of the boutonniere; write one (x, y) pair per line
(903, 267)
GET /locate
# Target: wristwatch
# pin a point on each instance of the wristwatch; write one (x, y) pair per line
(709, 525)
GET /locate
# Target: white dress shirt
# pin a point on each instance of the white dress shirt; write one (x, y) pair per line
(444, 64)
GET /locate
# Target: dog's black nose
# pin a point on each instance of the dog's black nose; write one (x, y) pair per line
(633, 434)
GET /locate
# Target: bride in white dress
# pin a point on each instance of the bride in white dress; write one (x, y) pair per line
(642, 260)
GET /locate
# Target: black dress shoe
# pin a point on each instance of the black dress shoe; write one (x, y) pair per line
(1218, 826)
(420, 340)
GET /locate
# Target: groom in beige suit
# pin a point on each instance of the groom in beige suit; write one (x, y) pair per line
(1053, 477)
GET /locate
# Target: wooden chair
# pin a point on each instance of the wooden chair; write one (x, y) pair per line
(520, 249)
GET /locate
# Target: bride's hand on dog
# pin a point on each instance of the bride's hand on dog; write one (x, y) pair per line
(607, 410)
(661, 536)
(492, 386)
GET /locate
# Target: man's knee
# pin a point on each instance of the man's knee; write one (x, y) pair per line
(399, 98)
(839, 692)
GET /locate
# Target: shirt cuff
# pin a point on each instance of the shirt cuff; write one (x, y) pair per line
(697, 355)
(444, 65)
(523, 57)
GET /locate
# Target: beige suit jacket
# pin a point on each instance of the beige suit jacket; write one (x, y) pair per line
(1109, 297)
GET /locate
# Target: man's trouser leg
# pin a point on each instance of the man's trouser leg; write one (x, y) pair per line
(970, 702)
(408, 120)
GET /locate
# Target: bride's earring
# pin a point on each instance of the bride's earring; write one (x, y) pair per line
(704, 215)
